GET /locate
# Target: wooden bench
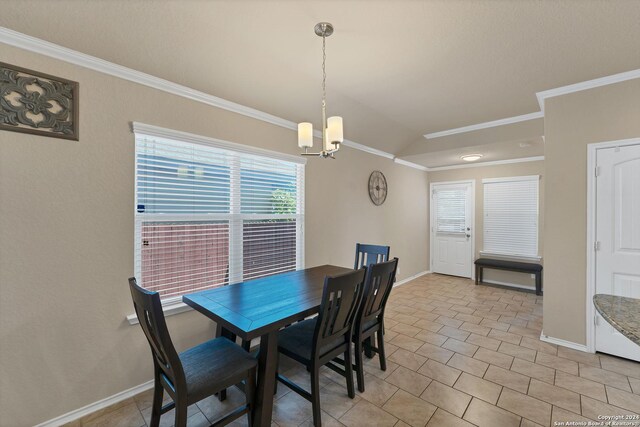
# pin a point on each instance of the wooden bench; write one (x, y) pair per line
(520, 267)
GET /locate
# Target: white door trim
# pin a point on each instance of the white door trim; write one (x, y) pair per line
(473, 220)
(592, 150)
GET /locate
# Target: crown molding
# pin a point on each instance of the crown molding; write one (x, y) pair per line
(482, 164)
(410, 164)
(486, 125)
(589, 84)
(52, 50)
(542, 96)
(43, 47)
(366, 148)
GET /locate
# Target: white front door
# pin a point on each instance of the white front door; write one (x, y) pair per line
(617, 238)
(451, 242)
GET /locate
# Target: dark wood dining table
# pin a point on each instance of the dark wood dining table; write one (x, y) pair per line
(259, 308)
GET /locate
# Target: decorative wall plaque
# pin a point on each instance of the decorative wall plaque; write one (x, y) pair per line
(37, 103)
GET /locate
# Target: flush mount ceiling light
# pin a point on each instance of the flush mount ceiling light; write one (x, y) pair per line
(332, 134)
(471, 157)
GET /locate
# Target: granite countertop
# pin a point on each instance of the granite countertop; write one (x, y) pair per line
(623, 314)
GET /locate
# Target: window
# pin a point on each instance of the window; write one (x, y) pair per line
(511, 216)
(451, 210)
(210, 213)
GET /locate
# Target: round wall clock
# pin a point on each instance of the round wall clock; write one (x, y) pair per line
(377, 188)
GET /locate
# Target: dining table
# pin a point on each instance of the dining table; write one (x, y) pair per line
(259, 308)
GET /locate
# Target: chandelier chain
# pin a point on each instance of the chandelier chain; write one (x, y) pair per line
(324, 73)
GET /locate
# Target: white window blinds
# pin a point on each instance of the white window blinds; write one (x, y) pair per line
(208, 215)
(511, 216)
(450, 210)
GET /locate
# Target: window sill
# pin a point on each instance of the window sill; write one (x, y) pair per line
(169, 309)
(511, 256)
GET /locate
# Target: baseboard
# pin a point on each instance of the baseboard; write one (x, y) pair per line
(96, 406)
(408, 279)
(511, 285)
(563, 343)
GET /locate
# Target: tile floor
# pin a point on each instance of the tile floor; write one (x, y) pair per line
(458, 355)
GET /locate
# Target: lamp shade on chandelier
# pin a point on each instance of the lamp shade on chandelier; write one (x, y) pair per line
(332, 130)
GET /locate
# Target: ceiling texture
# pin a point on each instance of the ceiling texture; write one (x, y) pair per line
(396, 69)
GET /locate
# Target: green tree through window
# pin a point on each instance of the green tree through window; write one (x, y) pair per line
(283, 202)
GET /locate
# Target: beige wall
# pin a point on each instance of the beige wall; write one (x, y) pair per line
(571, 122)
(66, 238)
(477, 174)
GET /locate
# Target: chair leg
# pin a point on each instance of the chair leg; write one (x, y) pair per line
(315, 394)
(275, 385)
(381, 354)
(222, 395)
(359, 366)
(181, 414)
(348, 370)
(157, 403)
(250, 392)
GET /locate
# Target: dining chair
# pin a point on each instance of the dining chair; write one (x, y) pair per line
(365, 256)
(194, 374)
(370, 254)
(316, 342)
(370, 319)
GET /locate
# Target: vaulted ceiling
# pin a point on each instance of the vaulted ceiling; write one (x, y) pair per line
(397, 69)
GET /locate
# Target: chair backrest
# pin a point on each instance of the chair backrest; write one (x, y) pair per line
(377, 287)
(370, 254)
(151, 317)
(341, 300)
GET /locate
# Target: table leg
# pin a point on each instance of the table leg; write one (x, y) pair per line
(539, 283)
(267, 365)
(367, 348)
(222, 332)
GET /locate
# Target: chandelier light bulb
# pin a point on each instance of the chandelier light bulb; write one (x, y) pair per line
(305, 135)
(334, 127)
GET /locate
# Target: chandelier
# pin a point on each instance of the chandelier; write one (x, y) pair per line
(332, 134)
